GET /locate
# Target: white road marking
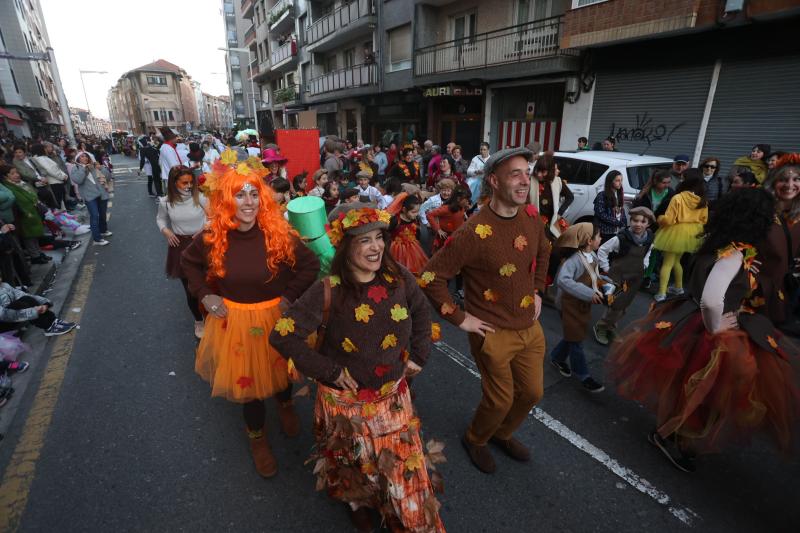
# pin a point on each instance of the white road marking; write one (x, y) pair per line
(684, 514)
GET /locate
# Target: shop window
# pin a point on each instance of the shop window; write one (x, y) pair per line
(399, 48)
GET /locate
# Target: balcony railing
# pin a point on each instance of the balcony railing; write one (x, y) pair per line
(340, 18)
(287, 94)
(346, 78)
(277, 11)
(525, 42)
(283, 52)
(250, 34)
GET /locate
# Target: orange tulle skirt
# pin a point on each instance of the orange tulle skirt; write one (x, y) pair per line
(235, 355)
(409, 253)
(711, 390)
(370, 454)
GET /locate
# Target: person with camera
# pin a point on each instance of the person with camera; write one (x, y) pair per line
(93, 188)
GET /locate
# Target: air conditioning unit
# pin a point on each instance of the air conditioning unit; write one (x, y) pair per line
(732, 6)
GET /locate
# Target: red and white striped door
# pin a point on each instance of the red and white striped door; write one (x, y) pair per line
(514, 133)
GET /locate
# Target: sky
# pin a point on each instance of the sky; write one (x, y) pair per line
(120, 35)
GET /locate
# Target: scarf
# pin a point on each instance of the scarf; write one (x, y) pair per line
(555, 190)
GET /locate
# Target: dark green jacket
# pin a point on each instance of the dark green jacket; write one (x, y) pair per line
(28, 220)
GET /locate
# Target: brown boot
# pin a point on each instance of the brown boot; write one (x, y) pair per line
(265, 462)
(361, 519)
(513, 448)
(480, 455)
(287, 417)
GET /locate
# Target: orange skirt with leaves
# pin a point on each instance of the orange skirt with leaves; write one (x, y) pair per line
(235, 355)
(408, 252)
(711, 390)
(370, 454)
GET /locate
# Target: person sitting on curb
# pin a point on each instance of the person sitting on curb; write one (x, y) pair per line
(18, 308)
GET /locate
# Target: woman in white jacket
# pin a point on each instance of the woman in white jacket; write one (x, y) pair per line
(48, 169)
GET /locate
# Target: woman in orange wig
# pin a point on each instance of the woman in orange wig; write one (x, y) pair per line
(246, 265)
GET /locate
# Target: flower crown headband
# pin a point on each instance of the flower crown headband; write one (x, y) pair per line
(356, 222)
(229, 160)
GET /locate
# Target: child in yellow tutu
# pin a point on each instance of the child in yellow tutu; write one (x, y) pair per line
(680, 230)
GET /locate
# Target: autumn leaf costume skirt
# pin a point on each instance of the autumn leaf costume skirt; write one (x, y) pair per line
(369, 454)
(407, 251)
(235, 355)
(710, 390)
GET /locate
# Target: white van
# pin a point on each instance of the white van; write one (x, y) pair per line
(585, 172)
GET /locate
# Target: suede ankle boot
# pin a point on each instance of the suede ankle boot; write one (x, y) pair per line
(265, 462)
(290, 423)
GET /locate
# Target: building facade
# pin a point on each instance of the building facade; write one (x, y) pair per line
(238, 31)
(87, 124)
(152, 96)
(662, 77)
(29, 95)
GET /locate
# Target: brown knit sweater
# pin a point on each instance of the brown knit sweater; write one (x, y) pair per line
(502, 260)
(247, 279)
(368, 331)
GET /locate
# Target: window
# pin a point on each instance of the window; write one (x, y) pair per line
(638, 176)
(39, 86)
(170, 116)
(399, 48)
(349, 57)
(155, 115)
(573, 170)
(464, 28)
(596, 171)
(530, 10)
(583, 3)
(157, 80)
(14, 79)
(330, 63)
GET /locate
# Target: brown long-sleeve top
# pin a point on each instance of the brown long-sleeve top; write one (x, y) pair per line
(371, 331)
(503, 262)
(445, 219)
(247, 278)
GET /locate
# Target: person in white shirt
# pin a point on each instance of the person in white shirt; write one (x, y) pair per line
(446, 186)
(211, 155)
(168, 154)
(183, 148)
(381, 160)
(475, 172)
(365, 190)
(320, 179)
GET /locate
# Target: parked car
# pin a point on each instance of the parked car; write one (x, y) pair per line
(585, 172)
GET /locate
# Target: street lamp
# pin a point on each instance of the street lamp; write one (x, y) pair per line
(252, 85)
(89, 111)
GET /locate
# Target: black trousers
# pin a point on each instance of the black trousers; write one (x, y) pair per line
(154, 182)
(59, 193)
(194, 305)
(43, 321)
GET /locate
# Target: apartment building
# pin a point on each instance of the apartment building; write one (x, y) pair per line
(86, 123)
(29, 102)
(664, 77)
(152, 96)
(239, 30)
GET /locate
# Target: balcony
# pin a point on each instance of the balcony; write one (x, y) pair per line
(250, 35)
(254, 69)
(496, 53)
(363, 77)
(247, 8)
(287, 95)
(281, 16)
(262, 71)
(284, 55)
(340, 26)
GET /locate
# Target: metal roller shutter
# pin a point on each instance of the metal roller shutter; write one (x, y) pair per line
(655, 111)
(757, 101)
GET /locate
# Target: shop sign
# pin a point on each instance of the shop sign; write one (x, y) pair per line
(452, 90)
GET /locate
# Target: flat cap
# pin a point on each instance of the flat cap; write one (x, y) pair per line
(502, 155)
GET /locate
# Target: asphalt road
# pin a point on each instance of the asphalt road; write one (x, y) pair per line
(132, 447)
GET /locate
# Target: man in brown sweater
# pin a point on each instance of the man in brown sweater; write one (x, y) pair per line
(502, 254)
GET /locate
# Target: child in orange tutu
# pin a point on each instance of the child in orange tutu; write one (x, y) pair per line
(449, 217)
(405, 248)
(712, 369)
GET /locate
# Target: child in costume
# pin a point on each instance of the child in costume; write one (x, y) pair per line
(712, 369)
(369, 453)
(405, 248)
(624, 259)
(579, 285)
(446, 219)
(679, 230)
(366, 192)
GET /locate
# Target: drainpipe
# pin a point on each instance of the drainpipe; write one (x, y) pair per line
(712, 89)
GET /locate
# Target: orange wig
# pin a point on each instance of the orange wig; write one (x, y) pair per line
(279, 236)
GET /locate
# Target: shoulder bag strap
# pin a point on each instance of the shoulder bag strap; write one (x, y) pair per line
(326, 311)
(789, 247)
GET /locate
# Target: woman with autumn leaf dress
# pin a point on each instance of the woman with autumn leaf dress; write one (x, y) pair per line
(369, 451)
(711, 368)
(246, 265)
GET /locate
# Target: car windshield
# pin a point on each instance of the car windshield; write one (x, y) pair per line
(638, 176)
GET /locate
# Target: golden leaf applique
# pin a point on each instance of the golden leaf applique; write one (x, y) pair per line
(388, 278)
(436, 332)
(490, 296)
(334, 280)
(663, 325)
(228, 157)
(757, 301)
(507, 269)
(363, 312)
(520, 242)
(284, 326)
(426, 278)
(413, 462)
(368, 410)
(483, 230)
(399, 313)
(243, 169)
(389, 341)
(527, 301)
(348, 346)
(772, 342)
(387, 388)
(448, 308)
(780, 294)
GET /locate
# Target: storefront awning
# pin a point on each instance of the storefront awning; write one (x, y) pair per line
(10, 116)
